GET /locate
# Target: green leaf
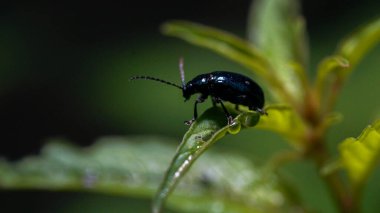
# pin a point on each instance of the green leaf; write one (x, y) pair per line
(228, 183)
(285, 121)
(113, 165)
(134, 166)
(278, 30)
(359, 156)
(209, 128)
(331, 66)
(334, 70)
(359, 43)
(221, 42)
(330, 75)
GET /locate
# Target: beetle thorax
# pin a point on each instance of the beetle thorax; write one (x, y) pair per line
(198, 85)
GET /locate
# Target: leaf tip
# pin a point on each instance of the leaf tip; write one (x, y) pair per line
(165, 27)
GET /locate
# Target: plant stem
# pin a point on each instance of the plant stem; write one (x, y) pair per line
(317, 151)
(342, 195)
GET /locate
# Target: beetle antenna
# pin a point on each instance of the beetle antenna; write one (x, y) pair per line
(155, 79)
(182, 72)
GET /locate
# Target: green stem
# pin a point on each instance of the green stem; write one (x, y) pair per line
(316, 150)
(341, 193)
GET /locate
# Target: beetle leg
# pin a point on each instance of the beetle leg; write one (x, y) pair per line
(200, 99)
(261, 111)
(228, 115)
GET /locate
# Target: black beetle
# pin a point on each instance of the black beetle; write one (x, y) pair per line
(221, 86)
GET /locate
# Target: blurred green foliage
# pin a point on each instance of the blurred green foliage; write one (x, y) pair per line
(123, 166)
(103, 92)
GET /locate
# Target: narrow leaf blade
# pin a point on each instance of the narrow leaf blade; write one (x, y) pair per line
(334, 70)
(359, 43)
(209, 128)
(278, 30)
(330, 75)
(220, 42)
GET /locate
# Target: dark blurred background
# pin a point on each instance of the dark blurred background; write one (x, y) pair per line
(64, 67)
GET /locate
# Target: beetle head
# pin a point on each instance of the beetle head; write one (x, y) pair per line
(187, 91)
